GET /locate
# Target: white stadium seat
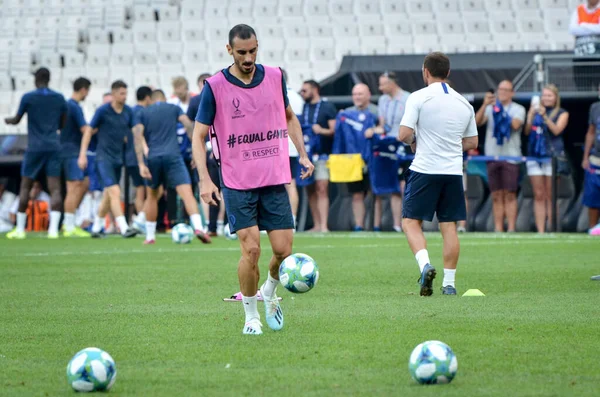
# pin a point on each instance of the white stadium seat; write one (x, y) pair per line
(338, 8)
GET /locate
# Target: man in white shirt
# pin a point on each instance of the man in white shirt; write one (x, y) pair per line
(297, 104)
(445, 127)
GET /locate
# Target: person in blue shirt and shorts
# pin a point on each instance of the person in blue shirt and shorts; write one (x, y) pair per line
(110, 123)
(46, 115)
(165, 166)
(77, 180)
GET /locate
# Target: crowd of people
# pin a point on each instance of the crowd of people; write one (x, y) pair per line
(91, 157)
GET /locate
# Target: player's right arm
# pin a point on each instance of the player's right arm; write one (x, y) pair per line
(187, 124)
(480, 116)
(208, 191)
(22, 110)
(589, 141)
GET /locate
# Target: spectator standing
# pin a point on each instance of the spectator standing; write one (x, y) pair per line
(361, 98)
(391, 106)
(321, 115)
(585, 26)
(505, 120)
(591, 165)
(545, 126)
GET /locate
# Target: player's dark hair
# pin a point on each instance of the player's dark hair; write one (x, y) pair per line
(390, 75)
(241, 31)
(42, 76)
(118, 84)
(203, 77)
(80, 83)
(438, 65)
(158, 92)
(314, 85)
(143, 92)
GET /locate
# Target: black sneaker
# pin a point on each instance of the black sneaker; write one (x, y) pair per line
(426, 280)
(99, 234)
(131, 232)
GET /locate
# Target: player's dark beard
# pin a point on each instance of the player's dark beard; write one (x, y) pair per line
(246, 65)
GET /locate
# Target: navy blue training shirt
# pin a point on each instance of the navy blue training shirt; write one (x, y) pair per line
(208, 107)
(44, 108)
(70, 136)
(112, 130)
(130, 157)
(160, 128)
(326, 111)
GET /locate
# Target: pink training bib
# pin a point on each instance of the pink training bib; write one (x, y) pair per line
(249, 134)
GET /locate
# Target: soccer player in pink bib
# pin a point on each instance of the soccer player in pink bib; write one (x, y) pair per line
(245, 108)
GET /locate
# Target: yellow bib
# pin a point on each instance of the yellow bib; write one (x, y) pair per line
(345, 168)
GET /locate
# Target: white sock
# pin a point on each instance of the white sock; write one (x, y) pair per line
(21, 221)
(96, 201)
(97, 226)
(270, 286)
(398, 229)
(141, 217)
(54, 221)
(69, 222)
(123, 226)
(449, 277)
(294, 216)
(249, 303)
(422, 258)
(196, 222)
(150, 231)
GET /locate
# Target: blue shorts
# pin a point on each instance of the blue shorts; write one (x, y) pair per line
(295, 167)
(168, 170)
(108, 173)
(591, 189)
(95, 182)
(36, 162)
(72, 170)
(267, 207)
(136, 178)
(426, 195)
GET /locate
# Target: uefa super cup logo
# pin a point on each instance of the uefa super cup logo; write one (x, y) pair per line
(236, 105)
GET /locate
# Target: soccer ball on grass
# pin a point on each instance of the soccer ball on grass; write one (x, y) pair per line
(299, 273)
(433, 362)
(91, 369)
(182, 234)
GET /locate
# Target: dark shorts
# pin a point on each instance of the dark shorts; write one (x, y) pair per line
(294, 167)
(95, 181)
(72, 170)
(169, 171)
(503, 176)
(108, 173)
(591, 189)
(136, 178)
(426, 195)
(360, 186)
(36, 162)
(267, 207)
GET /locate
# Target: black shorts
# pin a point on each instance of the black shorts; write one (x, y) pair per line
(426, 195)
(266, 207)
(360, 186)
(295, 167)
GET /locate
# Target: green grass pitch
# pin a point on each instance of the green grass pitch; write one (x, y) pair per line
(159, 312)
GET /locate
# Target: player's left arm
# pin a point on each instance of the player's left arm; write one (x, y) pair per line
(295, 134)
(187, 124)
(139, 144)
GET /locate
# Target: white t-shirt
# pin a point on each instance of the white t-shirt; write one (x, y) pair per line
(441, 118)
(297, 104)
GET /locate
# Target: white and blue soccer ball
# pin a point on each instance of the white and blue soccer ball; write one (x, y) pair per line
(299, 273)
(433, 362)
(227, 233)
(182, 234)
(91, 369)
